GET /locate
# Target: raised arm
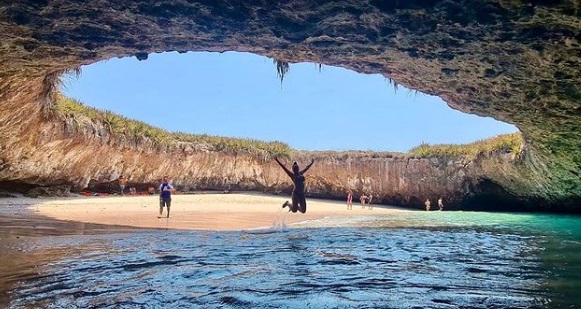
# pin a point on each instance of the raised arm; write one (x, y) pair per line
(307, 167)
(289, 173)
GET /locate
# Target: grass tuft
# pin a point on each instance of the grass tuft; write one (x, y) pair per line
(138, 131)
(282, 68)
(393, 83)
(508, 143)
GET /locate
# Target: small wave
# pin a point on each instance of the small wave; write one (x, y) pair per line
(355, 267)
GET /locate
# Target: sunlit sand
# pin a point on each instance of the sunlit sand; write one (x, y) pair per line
(189, 212)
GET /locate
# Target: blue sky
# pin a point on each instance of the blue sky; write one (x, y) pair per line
(240, 95)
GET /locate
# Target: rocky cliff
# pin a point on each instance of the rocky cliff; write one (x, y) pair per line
(74, 151)
(517, 61)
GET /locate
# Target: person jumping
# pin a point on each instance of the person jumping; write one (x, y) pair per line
(299, 201)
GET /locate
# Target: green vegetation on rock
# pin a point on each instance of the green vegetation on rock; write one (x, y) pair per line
(119, 126)
(122, 127)
(508, 143)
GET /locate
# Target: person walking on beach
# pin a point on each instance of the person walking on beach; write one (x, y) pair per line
(440, 204)
(299, 201)
(165, 190)
(369, 202)
(427, 203)
(349, 201)
(122, 184)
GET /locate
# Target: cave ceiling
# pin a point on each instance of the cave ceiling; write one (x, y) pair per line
(516, 61)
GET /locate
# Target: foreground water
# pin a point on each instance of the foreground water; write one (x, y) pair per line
(411, 260)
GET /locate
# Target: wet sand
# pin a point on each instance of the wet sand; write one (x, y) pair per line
(188, 212)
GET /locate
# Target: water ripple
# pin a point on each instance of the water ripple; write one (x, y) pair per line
(351, 267)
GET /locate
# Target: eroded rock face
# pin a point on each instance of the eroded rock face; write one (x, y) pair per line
(85, 155)
(517, 61)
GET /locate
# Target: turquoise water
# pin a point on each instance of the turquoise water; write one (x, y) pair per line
(411, 260)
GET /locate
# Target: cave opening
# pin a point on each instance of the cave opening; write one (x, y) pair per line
(239, 95)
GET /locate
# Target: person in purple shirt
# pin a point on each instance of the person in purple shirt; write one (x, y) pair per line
(165, 190)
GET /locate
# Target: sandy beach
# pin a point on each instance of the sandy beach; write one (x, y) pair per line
(189, 212)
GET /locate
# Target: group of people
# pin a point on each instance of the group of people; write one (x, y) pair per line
(427, 203)
(132, 190)
(298, 198)
(363, 199)
(165, 190)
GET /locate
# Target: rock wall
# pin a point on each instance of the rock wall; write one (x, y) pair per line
(75, 154)
(517, 61)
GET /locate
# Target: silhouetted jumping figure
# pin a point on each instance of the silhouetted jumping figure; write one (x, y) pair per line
(299, 202)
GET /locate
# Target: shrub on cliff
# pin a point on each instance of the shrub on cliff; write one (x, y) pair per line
(503, 143)
(138, 131)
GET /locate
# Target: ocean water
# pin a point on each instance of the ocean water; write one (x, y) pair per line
(411, 260)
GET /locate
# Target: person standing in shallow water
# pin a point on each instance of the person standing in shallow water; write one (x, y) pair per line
(165, 190)
(299, 201)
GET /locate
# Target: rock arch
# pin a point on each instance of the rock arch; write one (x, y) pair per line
(516, 61)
